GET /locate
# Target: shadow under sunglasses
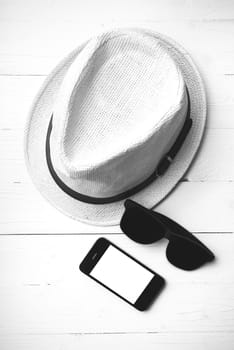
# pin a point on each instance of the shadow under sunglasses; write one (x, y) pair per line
(145, 226)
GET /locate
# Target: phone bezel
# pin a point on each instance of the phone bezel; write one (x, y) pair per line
(149, 293)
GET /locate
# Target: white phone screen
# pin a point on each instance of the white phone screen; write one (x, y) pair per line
(121, 274)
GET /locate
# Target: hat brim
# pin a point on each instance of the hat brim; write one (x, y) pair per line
(110, 214)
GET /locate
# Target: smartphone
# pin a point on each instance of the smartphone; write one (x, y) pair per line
(122, 274)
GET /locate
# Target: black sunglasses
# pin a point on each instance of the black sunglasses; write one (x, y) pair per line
(146, 226)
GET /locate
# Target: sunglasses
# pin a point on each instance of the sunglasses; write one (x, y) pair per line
(145, 226)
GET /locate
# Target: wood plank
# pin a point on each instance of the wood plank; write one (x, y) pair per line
(218, 145)
(209, 190)
(47, 41)
(43, 292)
(78, 10)
(18, 92)
(220, 116)
(204, 203)
(213, 162)
(21, 90)
(214, 159)
(199, 206)
(125, 341)
(33, 217)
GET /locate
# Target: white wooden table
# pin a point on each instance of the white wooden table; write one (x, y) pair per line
(45, 302)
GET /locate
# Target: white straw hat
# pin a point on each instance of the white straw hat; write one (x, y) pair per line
(121, 116)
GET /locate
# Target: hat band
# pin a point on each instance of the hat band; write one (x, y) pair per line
(159, 171)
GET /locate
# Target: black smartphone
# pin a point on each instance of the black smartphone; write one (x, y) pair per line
(122, 274)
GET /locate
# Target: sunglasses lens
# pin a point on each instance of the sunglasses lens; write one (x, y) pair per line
(140, 226)
(186, 255)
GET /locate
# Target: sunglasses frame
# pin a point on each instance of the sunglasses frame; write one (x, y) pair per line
(169, 226)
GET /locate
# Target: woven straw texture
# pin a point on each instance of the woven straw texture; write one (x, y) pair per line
(119, 109)
(89, 147)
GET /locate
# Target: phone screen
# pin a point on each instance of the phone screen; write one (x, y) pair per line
(121, 274)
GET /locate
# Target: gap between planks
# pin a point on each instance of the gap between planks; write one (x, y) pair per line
(117, 333)
(98, 234)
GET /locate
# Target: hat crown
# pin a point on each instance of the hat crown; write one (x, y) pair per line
(119, 109)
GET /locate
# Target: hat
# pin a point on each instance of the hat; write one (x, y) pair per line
(122, 116)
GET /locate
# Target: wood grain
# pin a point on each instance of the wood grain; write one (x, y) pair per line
(115, 341)
(209, 187)
(43, 296)
(42, 290)
(199, 206)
